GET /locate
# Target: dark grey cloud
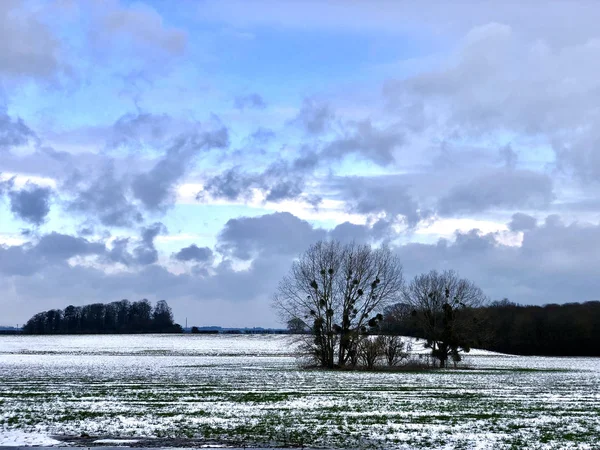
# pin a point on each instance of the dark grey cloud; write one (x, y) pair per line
(271, 234)
(522, 222)
(194, 253)
(250, 101)
(60, 247)
(17, 260)
(119, 252)
(380, 231)
(315, 117)
(50, 249)
(281, 180)
(6, 186)
(156, 188)
(145, 252)
(377, 144)
(501, 189)
(103, 196)
(14, 132)
(371, 195)
(233, 184)
(349, 232)
(31, 204)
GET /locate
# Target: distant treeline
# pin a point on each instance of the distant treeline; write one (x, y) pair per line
(571, 329)
(99, 318)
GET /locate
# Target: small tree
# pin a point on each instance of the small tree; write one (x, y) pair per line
(339, 291)
(437, 300)
(370, 351)
(394, 349)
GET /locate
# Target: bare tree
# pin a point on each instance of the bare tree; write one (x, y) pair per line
(370, 351)
(437, 300)
(339, 290)
(394, 349)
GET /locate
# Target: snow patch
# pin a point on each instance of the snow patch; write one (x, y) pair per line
(17, 438)
(116, 441)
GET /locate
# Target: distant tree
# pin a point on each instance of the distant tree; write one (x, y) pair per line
(140, 316)
(162, 317)
(53, 321)
(195, 330)
(340, 291)
(71, 318)
(438, 299)
(123, 314)
(297, 326)
(116, 317)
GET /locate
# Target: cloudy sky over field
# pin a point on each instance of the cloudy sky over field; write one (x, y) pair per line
(188, 151)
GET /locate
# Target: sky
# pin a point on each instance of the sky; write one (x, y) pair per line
(190, 150)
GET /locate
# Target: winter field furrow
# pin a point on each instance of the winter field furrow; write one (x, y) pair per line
(249, 390)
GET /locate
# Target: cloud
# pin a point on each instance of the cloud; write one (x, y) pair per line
(156, 188)
(400, 18)
(194, 253)
(581, 155)
(372, 195)
(502, 189)
(136, 131)
(145, 253)
(61, 247)
(28, 48)
(315, 117)
(381, 230)
(262, 136)
(31, 204)
(377, 144)
(509, 157)
(554, 264)
(50, 249)
(522, 222)
(103, 197)
(140, 25)
(502, 81)
(233, 184)
(271, 234)
(250, 101)
(6, 186)
(14, 132)
(281, 180)
(119, 252)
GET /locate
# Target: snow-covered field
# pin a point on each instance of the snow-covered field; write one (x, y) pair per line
(248, 389)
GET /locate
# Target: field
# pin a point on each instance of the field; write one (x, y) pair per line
(248, 390)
